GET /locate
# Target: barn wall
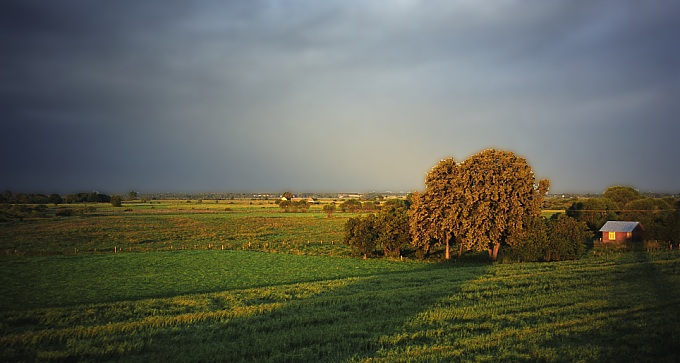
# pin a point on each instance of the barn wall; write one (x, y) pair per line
(623, 236)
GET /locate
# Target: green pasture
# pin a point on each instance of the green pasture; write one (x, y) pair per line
(258, 307)
(176, 225)
(47, 281)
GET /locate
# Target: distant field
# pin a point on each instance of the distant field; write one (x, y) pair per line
(259, 307)
(177, 225)
(547, 213)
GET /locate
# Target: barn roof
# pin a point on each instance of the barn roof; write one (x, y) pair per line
(619, 226)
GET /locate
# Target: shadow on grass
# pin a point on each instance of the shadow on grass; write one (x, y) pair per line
(340, 324)
(652, 331)
(641, 318)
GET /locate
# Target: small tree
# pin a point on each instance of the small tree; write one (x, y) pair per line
(369, 206)
(117, 201)
(393, 228)
(285, 205)
(361, 234)
(530, 243)
(566, 239)
(329, 209)
(56, 199)
(302, 206)
(350, 205)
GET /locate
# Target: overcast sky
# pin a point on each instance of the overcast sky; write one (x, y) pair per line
(332, 95)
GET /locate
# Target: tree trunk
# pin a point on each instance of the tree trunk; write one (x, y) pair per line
(493, 252)
(448, 248)
(460, 250)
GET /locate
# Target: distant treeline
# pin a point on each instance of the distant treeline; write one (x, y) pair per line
(21, 198)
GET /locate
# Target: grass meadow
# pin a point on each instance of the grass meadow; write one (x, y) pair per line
(177, 225)
(306, 304)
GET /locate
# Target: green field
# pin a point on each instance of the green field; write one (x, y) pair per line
(176, 225)
(239, 304)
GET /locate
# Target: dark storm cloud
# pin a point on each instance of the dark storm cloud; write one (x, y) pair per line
(334, 95)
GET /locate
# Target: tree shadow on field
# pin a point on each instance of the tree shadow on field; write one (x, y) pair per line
(640, 320)
(335, 325)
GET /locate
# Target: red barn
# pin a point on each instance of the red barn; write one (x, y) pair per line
(620, 231)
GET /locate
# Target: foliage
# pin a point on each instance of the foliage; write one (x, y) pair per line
(671, 225)
(361, 233)
(329, 209)
(393, 228)
(595, 212)
(21, 211)
(435, 215)
(350, 205)
(655, 214)
(294, 206)
(55, 199)
(93, 197)
(566, 239)
(560, 238)
(621, 195)
(531, 243)
(423, 230)
(482, 202)
(117, 201)
(651, 213)
(369, 206)
(388, 230)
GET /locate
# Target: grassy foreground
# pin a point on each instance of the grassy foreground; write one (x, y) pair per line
(153, 307)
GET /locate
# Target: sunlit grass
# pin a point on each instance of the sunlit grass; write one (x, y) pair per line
(604, 308)
(177, 225)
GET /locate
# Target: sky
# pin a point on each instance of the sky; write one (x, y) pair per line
(334, 95)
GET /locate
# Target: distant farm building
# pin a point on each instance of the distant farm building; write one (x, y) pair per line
(620, 231)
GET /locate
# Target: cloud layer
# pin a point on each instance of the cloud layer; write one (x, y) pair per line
(334, 95)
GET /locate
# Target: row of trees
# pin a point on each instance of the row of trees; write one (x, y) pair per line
(490, 199)
(355, 206)
(21, 198)
(294, 206)
(660, 217)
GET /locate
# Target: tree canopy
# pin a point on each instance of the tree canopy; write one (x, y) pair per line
(621, 195)
(480, 203)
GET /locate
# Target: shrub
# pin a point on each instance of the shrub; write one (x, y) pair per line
(389, 231)
(65, 212)
(329, 209)
(361, 234)
(561, 238)
(117, 201)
